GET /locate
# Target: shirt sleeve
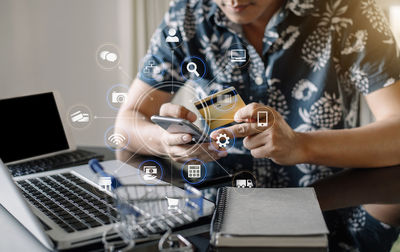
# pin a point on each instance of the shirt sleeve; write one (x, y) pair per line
(369, 55)
(161, 65)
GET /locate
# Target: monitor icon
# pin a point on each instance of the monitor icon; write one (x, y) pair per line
(238, 55)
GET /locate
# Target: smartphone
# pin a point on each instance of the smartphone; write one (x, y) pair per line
(179, 125)
(262, 119)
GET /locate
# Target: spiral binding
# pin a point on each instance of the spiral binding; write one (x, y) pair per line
(218, 216)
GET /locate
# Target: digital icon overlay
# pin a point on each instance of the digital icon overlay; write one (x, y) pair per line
(194, 171)
(117, 95)
(116, 139)
(107, 56)
(152, 67)
(262, 118)
(151, 172)
(244, 183)
(238, 55)
(105, 183)
(172, 203)
(193, 68)
(79, 116)
(244, 180)
(172, 37)
(222, 140)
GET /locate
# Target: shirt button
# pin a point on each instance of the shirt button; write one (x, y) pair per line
(259, 80)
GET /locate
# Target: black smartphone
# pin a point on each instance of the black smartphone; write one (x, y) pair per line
(179, 125)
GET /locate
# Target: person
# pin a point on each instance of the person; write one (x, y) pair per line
(172, 38)
(309, 61)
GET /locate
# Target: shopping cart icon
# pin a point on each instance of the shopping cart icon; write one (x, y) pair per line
(172, 203)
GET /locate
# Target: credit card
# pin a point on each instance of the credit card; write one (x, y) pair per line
(219, 109)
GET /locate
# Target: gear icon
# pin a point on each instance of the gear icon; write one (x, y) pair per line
(224, 142)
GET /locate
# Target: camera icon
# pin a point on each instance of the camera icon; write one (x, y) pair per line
(117, 97)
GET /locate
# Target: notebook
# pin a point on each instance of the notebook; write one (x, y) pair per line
(268, 219)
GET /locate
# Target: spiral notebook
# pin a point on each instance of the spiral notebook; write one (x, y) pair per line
(268, 219)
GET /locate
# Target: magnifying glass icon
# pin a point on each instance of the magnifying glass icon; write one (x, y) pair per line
(192, 68)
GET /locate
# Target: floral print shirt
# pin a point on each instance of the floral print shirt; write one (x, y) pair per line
(318, 56)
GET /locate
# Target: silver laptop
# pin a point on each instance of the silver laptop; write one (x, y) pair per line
(66, 208)
(62, 209)
(35, 136)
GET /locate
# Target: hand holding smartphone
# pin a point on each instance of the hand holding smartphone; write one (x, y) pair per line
(179, 125)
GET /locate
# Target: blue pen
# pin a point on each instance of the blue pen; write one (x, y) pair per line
(97, 168)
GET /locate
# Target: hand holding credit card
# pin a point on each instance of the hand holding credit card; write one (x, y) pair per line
(219, 109)
(179, 133)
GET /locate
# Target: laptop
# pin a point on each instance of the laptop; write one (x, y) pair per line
(35, 137)
(66, 208)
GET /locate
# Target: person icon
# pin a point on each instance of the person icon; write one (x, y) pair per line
(172, 38)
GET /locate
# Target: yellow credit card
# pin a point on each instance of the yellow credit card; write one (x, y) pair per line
(219, 109)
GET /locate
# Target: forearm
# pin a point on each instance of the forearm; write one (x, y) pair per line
(143, 134)
(355, 187)
(374, 145)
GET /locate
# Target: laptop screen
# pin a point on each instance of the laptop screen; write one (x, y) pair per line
(30, 126)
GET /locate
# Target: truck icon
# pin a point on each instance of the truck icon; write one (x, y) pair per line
(244, 183)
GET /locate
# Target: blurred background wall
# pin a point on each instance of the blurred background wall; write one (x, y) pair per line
(52, 44)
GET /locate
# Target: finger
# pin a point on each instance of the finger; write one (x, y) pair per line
(262, 115)
(246, 114)
(208, 150)
(260, 152)
(213, 146)
(181, 151)
(255, 141)
(177, 139)
(187, 150)
(203, 152)
(177, 111)
(216, 151)
(238, 130)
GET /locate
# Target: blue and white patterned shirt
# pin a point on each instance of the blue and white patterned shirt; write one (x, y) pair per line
(318, 56)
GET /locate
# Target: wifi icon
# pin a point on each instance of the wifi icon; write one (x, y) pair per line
(116, 138)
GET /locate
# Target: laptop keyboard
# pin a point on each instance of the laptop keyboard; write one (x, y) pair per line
(54, 162)
(69, 201)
